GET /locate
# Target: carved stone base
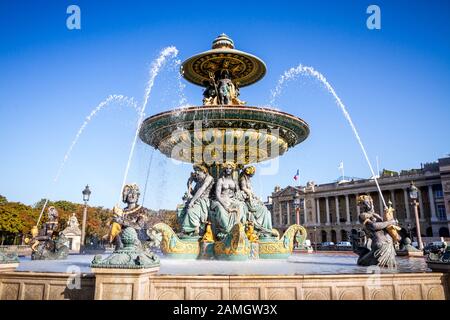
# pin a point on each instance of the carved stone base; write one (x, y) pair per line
(122, 284)
(9, 267)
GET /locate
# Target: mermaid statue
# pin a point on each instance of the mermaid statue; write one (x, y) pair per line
(228, 208)
(378, 245)
(133, 215)
(258, 213)
(194, 215)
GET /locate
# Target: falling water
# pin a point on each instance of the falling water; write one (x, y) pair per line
(118, 98)
(103, 104)
(154, 70)
(304, 70)
(181, 86)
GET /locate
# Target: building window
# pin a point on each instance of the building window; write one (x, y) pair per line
(438, 193)
(442, 215)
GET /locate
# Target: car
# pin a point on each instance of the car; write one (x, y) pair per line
(344, 245)
(328, 245)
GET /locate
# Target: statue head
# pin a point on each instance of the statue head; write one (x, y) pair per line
(200, 171)
(130, 193)
(52, 213)
(365, 202)
(228, 168)
(73, 221)
(225, 74)
(250, 171)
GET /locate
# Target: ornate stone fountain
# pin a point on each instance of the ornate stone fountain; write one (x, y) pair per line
(221, 217)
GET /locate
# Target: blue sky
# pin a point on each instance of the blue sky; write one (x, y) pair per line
(394, 82)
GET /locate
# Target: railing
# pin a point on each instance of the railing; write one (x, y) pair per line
(21, 250)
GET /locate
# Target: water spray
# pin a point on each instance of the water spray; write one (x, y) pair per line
(154, 70)
(304, 70)
(121, 99)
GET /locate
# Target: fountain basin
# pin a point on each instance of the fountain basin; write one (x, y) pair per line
(215, 134)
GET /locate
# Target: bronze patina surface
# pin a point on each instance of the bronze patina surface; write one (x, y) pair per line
(244, 67)
(177, 127)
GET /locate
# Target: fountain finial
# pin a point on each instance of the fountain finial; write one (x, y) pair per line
(223, 41)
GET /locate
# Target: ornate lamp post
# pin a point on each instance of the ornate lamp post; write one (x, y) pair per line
(414, 195)
(86, 194)
(297, 207)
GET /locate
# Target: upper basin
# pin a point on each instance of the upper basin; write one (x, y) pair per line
(215, 134)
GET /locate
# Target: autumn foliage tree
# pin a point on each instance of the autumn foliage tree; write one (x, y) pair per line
(17, 219)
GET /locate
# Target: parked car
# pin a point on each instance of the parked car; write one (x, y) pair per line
(328, 245)
(344, 245)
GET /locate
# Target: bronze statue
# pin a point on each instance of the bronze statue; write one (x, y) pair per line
(225, 87)
(258, 213)
(228, 208)
(376, 245)
(133, 215)
(194, 215)
(48, 243)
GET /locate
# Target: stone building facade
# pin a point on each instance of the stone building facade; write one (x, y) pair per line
(329, 211)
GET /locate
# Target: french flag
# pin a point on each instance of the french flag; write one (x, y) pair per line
(297, 175)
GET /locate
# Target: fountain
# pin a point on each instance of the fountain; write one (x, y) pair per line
(221, 218)
(221, 139)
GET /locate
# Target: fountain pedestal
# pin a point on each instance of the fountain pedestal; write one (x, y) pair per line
(123, 284)
(125, 274)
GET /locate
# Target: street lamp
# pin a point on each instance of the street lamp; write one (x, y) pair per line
(297, 207)
(414, 195)
(86, 194)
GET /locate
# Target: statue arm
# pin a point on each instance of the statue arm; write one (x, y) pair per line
(376, 226)
(189, 185)
(376, 215)
(244, 187)
(201, 190)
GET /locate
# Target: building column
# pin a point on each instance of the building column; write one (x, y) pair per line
(432, 204)
(288, 213)
(347, 209)
(358, 209)
(318, 210)
(421, 212)
(280, 217)
(338, 217)
(407, 206)
(304, 211)
(393, 198)
(327, 207)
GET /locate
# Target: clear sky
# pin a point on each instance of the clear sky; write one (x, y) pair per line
(394, 82)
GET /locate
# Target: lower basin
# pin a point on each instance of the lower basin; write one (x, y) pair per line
(296, 264)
